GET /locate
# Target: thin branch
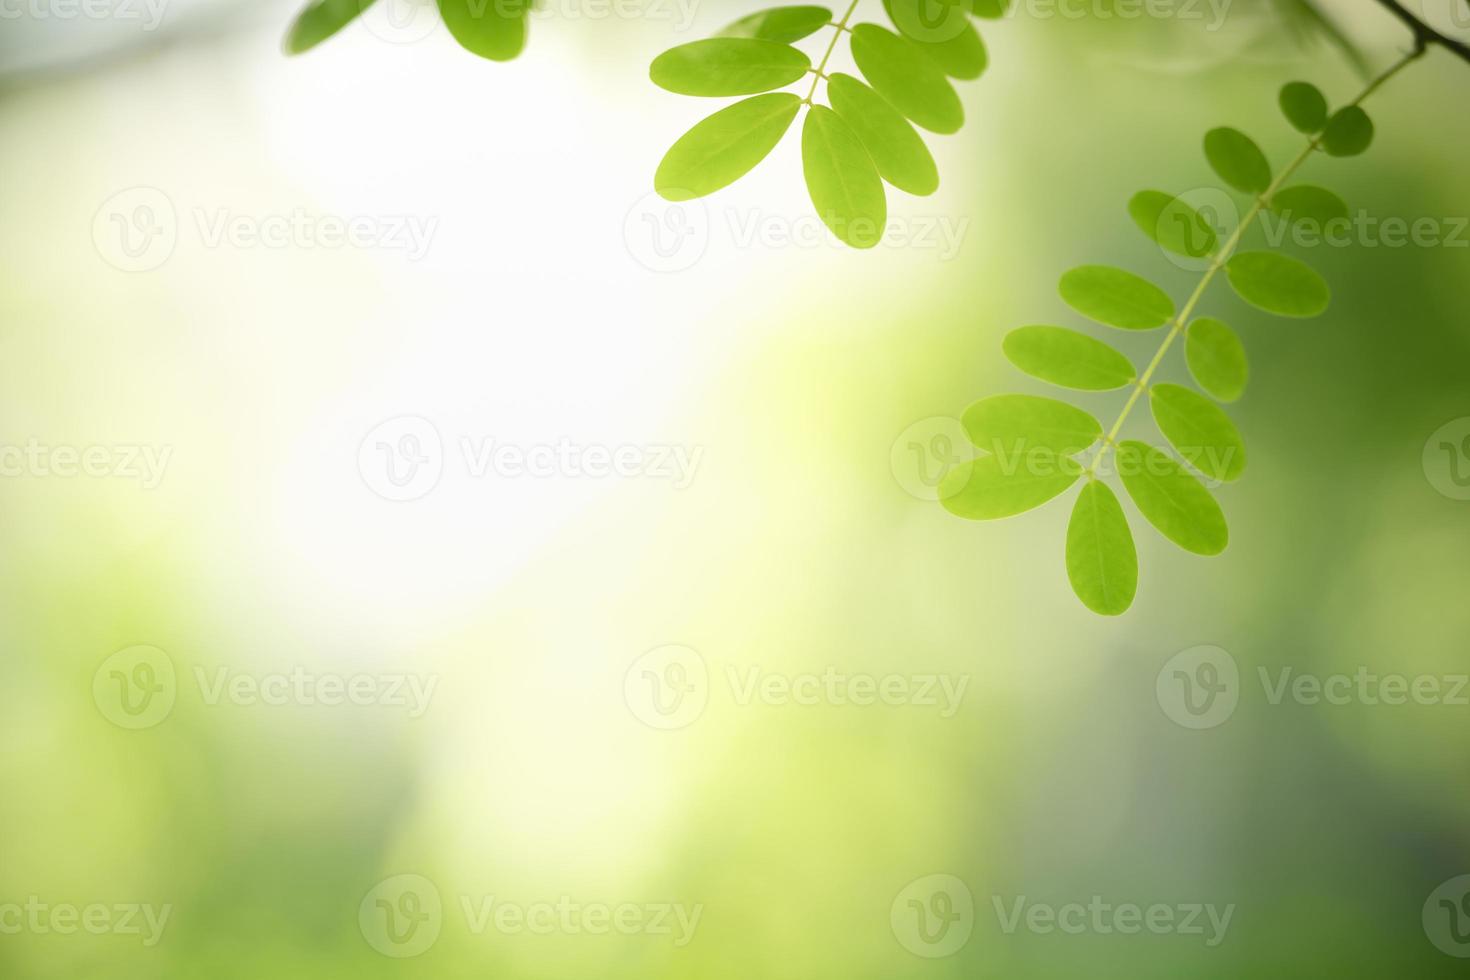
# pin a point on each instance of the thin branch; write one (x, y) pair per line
(1424, 35)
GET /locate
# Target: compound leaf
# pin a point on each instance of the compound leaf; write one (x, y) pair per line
(1116, 298)
(1068, 358)
(1173, 224)
(494, 29)
(781, 24)
(1010, 425)
(1172, 500)
(1216, 358)
(1349, 132)
(723, 148)
(1238, 160)
(720, 66)
(905, 76)
(1102, 562)
(1278, 284)
(320, 20)
(1304, 106)
(1309, 204)
(895, 146)
(842, 179)
(989, 488)
(942, 29)
(1199, 430)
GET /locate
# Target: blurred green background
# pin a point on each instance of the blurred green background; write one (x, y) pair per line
(540, 312)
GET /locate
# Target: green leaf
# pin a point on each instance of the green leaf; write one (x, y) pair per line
(907, 78)
(1068, 358)
(1313, 205)
(942, 29)
(1017, 424)
(1239, 162)
(1102, 563)
(1216, 358)
(781, 24)
(989, 488)
(1174, 225)
(1278, 284)
(1305, 106)
(1172, 500)
(1349, 132)
(895, 146)
(494, 29)
(841, 177)
(1116, 298)
(725, 147)
(728, 66)
(1199, 430)
(320, 20)
(990, 9)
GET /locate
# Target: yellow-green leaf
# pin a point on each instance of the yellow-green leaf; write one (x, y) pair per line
(1172, 500)
(782, 24)
(1068, 358)
(1304, 106)
(942, 29)
(1174, 225)
(843, 182)
(989, 488)
(723, 148)
(1238, 160)
(907, 78)
(895, 146)
(1278, 284)
(1199, 430)
(1116, 298)
(1102, 562)
(1216, 358)
(320, 20)
(1312, 205)
(720, 66)
(1011, 424)
(494, 29)
(1349, 132)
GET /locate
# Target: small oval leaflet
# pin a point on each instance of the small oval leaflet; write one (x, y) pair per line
(896, 147)
(907, 78)
(726, 146)
(1199, 431)
(1305, 204)
(1102, 562)
(1216, 358)
(1068, 358)
(1116, 298)
(1013, 426)
(494, 30)
(1304, 106)
(1173, 224)
(1278, 284)
(1238, 160)
(942, 30)
(843, 182)
(781, 24)
(993, 487)
(1349, 132)
(1172, 500)
(320, 20)
(720, 66)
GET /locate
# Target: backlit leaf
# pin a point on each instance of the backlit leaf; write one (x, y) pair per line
(728, 66)
(1011, 424)
(907, 78)
(1172, 223)
(320, 20)
(1278, 284)
(1102, 563)
(1239, 162)
(1116, 298)
(989, 488)
(1172, 500)
(1311, 205)
(1305, 106)
(842, 179)
(1199, 430)
(1216, 358)
(990, 9)
(1068, 358)
(494, 29)
(895, 146)
(781, 24)
(942, 29)
(723, 148)
(1349, 132)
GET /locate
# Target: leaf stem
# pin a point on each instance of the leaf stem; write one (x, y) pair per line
(841, 26)
(1223, 255)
